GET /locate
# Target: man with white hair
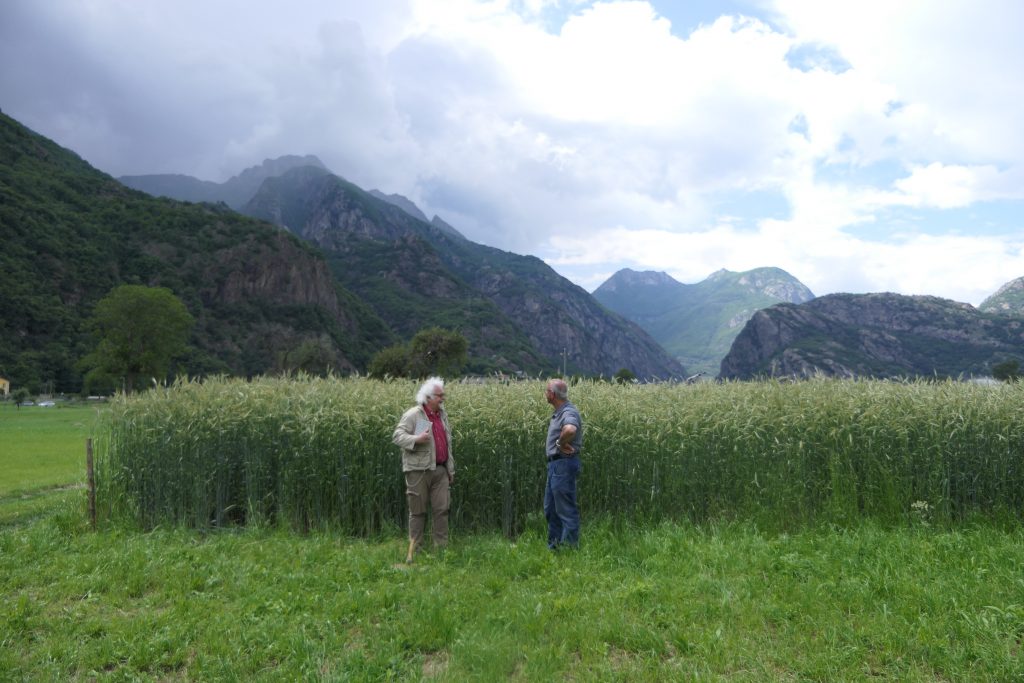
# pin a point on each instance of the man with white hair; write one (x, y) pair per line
(425, 439)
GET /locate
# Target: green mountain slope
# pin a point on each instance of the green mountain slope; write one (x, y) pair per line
(698, 323)
(71, 233)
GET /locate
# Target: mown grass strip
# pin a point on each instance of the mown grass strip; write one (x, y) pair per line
(660, 602)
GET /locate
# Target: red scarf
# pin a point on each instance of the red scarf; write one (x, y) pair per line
(440, 437)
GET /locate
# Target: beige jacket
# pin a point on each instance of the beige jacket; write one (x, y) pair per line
(420, 456)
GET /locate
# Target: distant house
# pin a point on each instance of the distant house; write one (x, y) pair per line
(5, 386)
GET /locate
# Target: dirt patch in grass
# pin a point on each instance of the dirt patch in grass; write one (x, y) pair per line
(435, 664)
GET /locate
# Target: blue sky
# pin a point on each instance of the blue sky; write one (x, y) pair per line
(862, 147)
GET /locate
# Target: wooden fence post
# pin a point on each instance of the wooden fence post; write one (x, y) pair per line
(91, 479)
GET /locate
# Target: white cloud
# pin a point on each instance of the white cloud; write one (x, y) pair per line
(594, 134)
(910, 264)
(948, 187)
(956, 61)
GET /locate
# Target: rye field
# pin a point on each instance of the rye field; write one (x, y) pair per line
(219, 555)
(317, 454)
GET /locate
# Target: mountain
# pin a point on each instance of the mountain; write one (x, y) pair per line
(873, 335)
(445, 228)
(516, 312)
(1008, 299)
(71, 233)
(234, 192)
(404, 203)
(410, 208)
(697, 323)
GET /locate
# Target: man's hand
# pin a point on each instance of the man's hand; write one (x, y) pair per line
(424, 437)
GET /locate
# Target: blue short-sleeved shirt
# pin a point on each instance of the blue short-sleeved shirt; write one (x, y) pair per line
(567, 414)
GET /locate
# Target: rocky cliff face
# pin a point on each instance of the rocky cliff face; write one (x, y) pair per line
(292, 298)
(514, 309)
(872, 335)
(559, 316)
(773, 283)
(1008, 299)
(278, 272)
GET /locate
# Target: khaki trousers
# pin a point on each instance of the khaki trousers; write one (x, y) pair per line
(423, 488)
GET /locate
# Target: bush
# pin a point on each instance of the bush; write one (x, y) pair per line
(390, 362)
(1007, 371)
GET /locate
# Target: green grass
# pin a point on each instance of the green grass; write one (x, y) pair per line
(708, 602)
(670, 602)
(43, 447)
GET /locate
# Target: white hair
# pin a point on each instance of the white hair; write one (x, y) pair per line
(427, 388)
(559, 388)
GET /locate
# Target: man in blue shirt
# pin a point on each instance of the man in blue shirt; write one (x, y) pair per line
(565, 439)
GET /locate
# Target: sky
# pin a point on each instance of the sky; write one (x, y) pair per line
(862, 147)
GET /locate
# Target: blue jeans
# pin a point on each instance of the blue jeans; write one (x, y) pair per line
(560, 502)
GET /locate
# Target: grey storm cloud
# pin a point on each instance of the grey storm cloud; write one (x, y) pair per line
(596, 139)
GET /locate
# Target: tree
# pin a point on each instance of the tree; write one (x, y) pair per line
(392, 361)
(19, 396)
(313, 356)
(625, 376)
(1007, 371)
(140, 329)
(432, 351)
(435, 351)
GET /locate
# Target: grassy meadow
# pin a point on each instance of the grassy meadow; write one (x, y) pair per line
(931, 595)
(41, 447)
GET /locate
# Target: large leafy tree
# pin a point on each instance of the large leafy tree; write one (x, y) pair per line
(140, 329)
(435, 351)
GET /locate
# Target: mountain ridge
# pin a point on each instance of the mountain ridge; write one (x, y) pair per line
(235, 192)
(658, 315)
(1007, 300)
(882, 335)
(697, 322)
(379, 250)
